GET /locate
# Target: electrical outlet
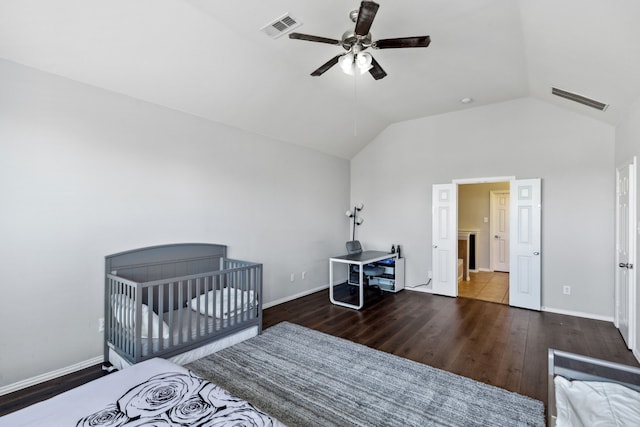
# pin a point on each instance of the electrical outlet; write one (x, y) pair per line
(566, 290)
(430, 274)
(304, 275)
(101, 324)
(293, 276)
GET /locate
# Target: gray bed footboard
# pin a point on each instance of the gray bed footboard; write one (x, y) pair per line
(582, 368)
(162, 301)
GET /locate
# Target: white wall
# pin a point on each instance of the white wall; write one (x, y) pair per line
(85, 173)
(627, 146)
(526, 138)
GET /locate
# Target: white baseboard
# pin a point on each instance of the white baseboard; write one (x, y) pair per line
(100, 359)
(292, 297)
(636, 354)
(419, 288)
(577, 314)
(50, 375)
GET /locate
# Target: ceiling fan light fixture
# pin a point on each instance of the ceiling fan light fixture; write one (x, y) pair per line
(363, 61)
(350, 63)
(346, 63)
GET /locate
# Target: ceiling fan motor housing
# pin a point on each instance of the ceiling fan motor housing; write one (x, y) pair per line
(351, 39)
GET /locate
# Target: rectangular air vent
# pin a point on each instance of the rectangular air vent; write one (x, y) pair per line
(280, 26)
(579, 98)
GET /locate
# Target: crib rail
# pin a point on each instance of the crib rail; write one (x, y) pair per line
(165, 317)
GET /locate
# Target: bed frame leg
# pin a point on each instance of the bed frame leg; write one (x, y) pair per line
(108, 367)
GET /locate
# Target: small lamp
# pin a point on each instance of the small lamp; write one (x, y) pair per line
(356, 219)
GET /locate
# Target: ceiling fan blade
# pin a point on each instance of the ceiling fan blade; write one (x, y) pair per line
(422, 41)
(367, 12)
(310, 38)
(376, 70)
(324, 67)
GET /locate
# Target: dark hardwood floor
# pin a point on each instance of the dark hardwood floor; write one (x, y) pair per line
(22, 398)
(489, 342)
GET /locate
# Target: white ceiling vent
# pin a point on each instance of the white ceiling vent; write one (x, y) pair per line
(280, 26)
(579, 99)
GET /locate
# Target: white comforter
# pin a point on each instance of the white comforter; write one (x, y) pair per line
(595, 404)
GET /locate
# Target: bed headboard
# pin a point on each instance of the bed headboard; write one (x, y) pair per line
(165, 261)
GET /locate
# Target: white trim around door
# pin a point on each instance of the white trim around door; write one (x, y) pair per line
(444, 229)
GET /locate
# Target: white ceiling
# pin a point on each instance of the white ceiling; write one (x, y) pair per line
(209, 58)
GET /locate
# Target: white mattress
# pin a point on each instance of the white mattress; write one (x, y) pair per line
(189, 332)
(197, 353)
(128, 395)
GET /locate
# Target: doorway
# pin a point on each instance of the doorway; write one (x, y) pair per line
(483, 241)
(525, 239)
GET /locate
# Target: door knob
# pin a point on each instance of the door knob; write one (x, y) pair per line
(623, 265)
(536, 253)
(496, 237)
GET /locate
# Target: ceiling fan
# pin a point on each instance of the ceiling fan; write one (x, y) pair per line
(356, 41)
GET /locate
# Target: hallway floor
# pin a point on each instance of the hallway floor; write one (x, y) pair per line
(492, 286)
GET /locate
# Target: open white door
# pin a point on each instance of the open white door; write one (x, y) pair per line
(524, 275)
(625, 277)
(445, 239)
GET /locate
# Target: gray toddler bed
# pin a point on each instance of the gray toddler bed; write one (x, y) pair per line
(584, 391)
(163, 301)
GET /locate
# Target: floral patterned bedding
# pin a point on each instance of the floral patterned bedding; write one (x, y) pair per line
(152, 393)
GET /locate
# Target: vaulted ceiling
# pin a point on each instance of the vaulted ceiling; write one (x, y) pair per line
(209, 58)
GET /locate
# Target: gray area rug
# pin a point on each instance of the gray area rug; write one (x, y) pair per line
(307, 378)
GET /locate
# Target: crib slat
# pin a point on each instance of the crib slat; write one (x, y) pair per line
(226, 293)
(161, 341)
(233, 315)
(180, 308)
(149, 330)
(197, 312)
(215, 287)
(171, 317)
(137, 337)
(206, 305)
(189, 319)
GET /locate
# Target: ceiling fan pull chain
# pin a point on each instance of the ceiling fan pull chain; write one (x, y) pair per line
(355, 105)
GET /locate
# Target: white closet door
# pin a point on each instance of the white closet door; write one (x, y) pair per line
(445, 239)
(524, 275)
(625, 277)
(499, 238)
